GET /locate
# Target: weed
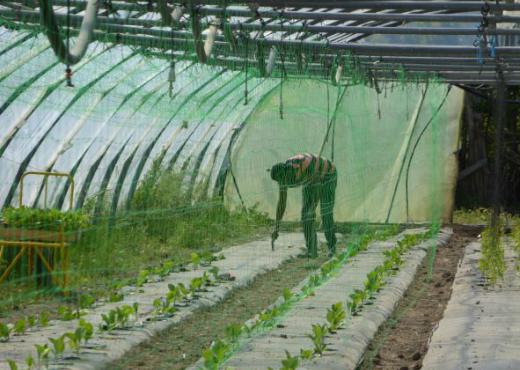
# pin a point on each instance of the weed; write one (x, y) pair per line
(233, 332)
(492, 262)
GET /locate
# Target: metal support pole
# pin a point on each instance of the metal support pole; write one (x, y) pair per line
(500, 115)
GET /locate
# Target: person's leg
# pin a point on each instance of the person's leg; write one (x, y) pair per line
(308, 216)
(328, 196)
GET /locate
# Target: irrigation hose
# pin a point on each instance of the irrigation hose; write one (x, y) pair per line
(64, 54)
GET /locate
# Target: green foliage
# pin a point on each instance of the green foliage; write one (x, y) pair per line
(233, 332)
(43, 319)
(163, 307)
(215, 355)
(117, 318)
(116, 297)
(20, 326)
(335, 316)
(142, 278)
(287, 295)
(356, 300)
(492, 263)
(29, 361)
(58, 345)
(31, 321)
(43, 352)
(374, 280)
(290, 362)
(12, 365)
(45, 219)
(5, 332)
(318, 338)
(306, 354)
(87, 330)
(195, 260)
(214, 270)
(86, 301)
(68, 314)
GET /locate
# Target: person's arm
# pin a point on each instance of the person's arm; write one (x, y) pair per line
(280, 210)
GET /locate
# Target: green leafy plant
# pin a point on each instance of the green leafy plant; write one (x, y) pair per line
(42, 352)
(374, 280)
(306, 354)
(58, 346)
(31, 321)
(233, 332)
(86, 301)
(214, 270)
(20, 326)
(29, 361)
(142, 278)
(68, 314)
(45, 219)
(195, 260)
(335, 316)
(87, 330)
(318, 338)
(5, 332)
(116, 297)
(43, 319)
(75, 339)
(163, 307)
(356, 300)
(215, 355)
(287, 295)
(290, 362)
(12, 365)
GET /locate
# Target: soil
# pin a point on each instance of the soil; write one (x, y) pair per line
(182, 345)
(402, 341)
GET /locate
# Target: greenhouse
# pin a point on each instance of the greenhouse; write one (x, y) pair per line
(290, 184)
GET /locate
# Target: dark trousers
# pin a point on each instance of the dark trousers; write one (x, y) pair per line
(323, 192)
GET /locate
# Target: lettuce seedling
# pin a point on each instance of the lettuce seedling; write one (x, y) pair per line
(290, 362)
(88, 330)
(86, 301)
(43, 319)
(215, 355)
(318, 338)
(12, 365)
(195, 260)
(233, 332)
(335, 316)
(287, 295)
(42, 352)
(58, 346)
(5, 332)
(20, 326)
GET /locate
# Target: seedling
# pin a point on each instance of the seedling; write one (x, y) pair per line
(142, 278)
(116, 297)
(29, 361)
(162, 307)
(357, 299)
(214, 271)
(196, 284)
(12, 365)
(86, 301)
(233, 332)
(58, 346)
(290, 362)
(43, 319)
(318, 338)
(314, 280)
(31, 320)
(287, 295)
(306, 354)
(215, 355)
(20, 326)
(195, 260)
(67, 314)
(88, 329)
(374, 280)
(43, 352)
(75, 339)
(5, 332)
(335, 316)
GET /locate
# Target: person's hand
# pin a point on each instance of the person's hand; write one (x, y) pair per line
(274, 235)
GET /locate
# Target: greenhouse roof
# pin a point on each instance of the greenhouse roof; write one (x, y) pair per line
(458, 41)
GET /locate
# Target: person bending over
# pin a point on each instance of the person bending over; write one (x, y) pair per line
(318, 177)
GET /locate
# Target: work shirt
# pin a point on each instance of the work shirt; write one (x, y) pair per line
(310, 168)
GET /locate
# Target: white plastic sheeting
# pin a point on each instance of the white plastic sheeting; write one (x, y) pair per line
(114, 123)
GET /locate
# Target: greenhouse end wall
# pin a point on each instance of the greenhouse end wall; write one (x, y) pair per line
(372, 143)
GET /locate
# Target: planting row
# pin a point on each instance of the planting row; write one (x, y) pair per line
(222, 349)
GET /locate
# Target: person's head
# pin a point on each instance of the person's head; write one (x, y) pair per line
(282, 173)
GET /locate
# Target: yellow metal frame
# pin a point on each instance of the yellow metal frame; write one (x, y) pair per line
(36, 247)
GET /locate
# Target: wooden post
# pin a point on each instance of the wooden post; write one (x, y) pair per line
(500, 114)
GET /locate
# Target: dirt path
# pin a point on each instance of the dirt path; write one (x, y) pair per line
(182, 345)
(402, 341)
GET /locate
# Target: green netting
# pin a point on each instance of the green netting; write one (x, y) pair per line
(166, 167)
